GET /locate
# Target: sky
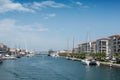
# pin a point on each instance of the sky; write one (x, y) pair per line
(52, 24)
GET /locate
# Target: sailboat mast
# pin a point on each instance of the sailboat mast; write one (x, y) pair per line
(73, 45)
(25, 43)
(67, 45)
(87, 42)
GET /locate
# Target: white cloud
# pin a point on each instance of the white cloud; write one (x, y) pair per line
(45, 4)
(13, 34)
(9, 5)
(79, 3)
(33, 28)
(49, 15)
(52, 15)
(7, 25)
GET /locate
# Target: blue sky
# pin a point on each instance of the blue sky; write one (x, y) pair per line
(49, 24)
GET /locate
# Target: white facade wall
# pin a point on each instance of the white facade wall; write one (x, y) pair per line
(102, 46)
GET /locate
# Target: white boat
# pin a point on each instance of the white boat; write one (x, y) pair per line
(68, 58)
(12, 57)
(54, 54)
(73, 58)
(30, 55)
(89, 62)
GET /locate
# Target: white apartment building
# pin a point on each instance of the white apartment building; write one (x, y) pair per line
(108, 45)
(93, 47)
(85, 47)
(114, 44)
(102, 45)
(79, 48)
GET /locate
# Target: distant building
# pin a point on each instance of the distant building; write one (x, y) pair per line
(3, 48)
(13, 50)
(76, 50)
(2, 45)
(65, 51)
(102, 45)
(22, 52)
(85, 47)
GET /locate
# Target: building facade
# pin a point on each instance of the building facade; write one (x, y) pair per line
(79, 48)
(85, 47)
(114, 44)
(102, 45)
(109, 46)
(93, 47)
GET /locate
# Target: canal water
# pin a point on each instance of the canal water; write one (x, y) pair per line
(43, 67)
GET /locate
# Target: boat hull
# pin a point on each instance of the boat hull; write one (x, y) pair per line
(89, 62)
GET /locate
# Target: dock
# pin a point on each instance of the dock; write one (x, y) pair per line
(109, 64)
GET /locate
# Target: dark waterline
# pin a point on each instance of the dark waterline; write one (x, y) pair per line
(42, 67)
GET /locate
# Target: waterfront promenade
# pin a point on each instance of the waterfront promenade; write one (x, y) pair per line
(109, 64)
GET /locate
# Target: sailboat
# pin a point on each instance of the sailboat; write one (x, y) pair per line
(89, 60)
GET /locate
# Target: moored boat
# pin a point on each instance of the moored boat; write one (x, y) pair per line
(1, 60)
(54, 55)
(9, 57)
(89, 62)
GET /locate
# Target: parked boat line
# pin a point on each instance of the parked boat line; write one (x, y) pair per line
(84, 61)
(99, 63)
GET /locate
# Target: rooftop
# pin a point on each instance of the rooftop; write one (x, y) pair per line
(103, 39)
(117, 36)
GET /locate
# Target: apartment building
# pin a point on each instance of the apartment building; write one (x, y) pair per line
(114, 44)
(85, 47)
(93, 47)
(79, 48)
(108, 45)
(102, 45)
